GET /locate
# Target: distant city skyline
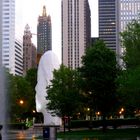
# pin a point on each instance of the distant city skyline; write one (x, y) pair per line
(27, 12)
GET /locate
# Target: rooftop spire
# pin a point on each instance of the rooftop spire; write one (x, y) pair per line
(27, 27)
(27, 30)
(44, 11)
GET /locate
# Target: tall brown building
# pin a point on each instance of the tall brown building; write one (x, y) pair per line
(29, 51)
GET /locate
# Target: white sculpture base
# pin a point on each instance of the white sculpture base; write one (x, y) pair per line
(51, 120)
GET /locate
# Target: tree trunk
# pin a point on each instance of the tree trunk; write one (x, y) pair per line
(104, 123)
(64, 125)
(90, 122)
(69, 123)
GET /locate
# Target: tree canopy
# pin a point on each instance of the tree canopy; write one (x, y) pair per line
(130, 39)
(130, 79)
(64, 93)
(99, 73)
(21, 94)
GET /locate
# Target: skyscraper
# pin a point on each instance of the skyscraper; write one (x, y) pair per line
(44, 34)
(29, 51)
(0, 34)
(7, 22)
(3, 88)
(108, 23)
(128, 10)
(18, 57)
(76, 31)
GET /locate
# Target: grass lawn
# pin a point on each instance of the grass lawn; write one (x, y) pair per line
(99, 135)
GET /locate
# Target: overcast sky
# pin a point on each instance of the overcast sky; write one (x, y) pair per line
(27, 12)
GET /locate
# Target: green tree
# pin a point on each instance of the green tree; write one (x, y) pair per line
(129, 90)
(130, 78)
(19, 91)
(99, 72)
(130, 39)
(31, 77)
(64, 93)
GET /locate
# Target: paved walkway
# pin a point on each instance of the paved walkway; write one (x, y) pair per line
(28, 134)
(32, 133)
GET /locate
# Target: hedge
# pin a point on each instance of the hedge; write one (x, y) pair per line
(98, 123)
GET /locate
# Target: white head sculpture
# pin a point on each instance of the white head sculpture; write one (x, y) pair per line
(47, 64)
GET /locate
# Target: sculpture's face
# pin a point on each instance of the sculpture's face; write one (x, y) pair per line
(47, 64)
